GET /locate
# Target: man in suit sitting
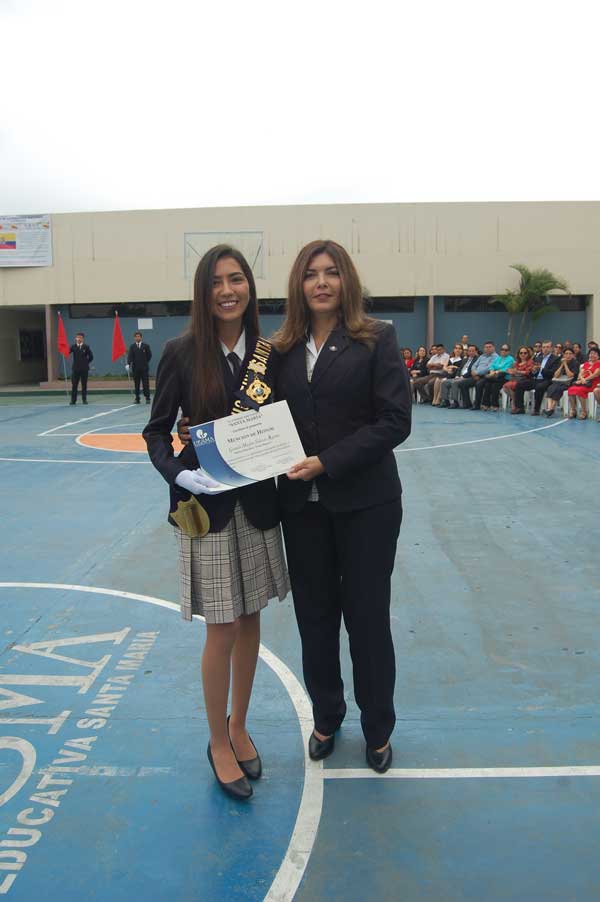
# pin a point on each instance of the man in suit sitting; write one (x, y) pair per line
(451, 393)
(541, 377)
(82, 357)
(138, 358)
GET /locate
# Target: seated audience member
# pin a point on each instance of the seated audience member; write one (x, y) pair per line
(464, 343)
(419, 373)
(578, 351)
(563, 377)
(435, 364)
(480, 369)
(497, 376)
(592, 344)
(408, 358)
(541, 376)
(520, 370)
(568, 344)
(450, 390)
(597, 397)
(448, 372)
(558, 349)
(587, 380)
(537, 351)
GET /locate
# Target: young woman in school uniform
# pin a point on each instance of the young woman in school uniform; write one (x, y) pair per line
(232, 563)
(347, 387)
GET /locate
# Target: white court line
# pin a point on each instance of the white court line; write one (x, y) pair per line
(460, 773)
(107, 770)
(110, 450)
(50, 460)
(104, 413)
(476, 441)
(291, 870)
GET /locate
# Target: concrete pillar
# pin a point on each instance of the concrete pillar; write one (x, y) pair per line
(593, 317)
(51, 342)
(430, 321)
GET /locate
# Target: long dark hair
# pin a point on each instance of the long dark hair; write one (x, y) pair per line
(358, 325)
(210, 397)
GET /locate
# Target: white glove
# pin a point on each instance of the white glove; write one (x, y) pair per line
(198, 483)
(127, 367)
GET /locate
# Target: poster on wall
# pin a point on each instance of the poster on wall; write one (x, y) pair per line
(25, 241)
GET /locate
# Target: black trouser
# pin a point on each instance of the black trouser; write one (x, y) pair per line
(76, 375)
(341, 564)
(491, 390)
(539, 387)
(465, 385)
(141, 376)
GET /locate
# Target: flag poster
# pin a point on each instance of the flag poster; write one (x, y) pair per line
(25, 241)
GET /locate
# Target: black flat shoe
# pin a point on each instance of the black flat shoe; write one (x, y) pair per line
(237, 789)
(253, 767)
(320, 748)
(380, 761)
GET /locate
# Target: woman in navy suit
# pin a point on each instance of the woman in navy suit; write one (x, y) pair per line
(345, 381)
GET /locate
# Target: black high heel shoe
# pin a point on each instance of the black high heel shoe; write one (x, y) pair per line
(320, 748)
(380, 761)
(253, 767)
(237, 789)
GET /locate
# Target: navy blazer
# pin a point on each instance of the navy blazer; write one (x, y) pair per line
(352, 414)
(469, 361)
(140, 357)
(173, 391)
(82, 357)
(552, 364)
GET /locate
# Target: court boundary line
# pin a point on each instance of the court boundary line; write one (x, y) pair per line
(476, 441)
(104, 413)
(58, 460)
(462, 773)
(97, 431)
(295, 860)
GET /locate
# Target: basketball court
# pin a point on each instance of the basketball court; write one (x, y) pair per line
(105, 789)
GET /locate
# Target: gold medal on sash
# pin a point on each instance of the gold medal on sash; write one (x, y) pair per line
(258, 390)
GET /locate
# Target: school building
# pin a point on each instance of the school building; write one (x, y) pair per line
(431, 269)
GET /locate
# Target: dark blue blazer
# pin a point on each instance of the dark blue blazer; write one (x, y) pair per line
(174, 380)
(354, 412)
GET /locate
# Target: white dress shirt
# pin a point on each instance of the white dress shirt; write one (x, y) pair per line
(312, 355)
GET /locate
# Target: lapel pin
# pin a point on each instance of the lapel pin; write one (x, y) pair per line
(332, 347)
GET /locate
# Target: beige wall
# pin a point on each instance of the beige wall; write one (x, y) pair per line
(400, 249)
(13, 370)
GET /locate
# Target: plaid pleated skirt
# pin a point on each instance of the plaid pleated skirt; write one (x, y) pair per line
(233, 572)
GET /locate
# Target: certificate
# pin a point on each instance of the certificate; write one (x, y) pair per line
(248, 447)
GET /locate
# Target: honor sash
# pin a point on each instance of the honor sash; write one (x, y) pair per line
(254, 390)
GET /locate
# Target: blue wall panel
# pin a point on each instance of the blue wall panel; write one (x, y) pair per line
(98, 334)
(410, 328)
(480, 327)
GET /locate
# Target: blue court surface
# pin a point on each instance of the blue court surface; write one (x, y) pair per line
(105, 789)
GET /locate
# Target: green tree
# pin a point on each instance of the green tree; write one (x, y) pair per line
(530, 302)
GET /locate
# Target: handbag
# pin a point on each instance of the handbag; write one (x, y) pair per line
(562, 379)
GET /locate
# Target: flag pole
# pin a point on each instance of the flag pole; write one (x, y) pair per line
(65, 372)
(64, 360)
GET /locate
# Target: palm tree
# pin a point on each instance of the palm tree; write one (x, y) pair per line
(531, 301)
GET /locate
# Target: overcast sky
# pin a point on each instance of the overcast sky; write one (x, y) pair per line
(137, 104)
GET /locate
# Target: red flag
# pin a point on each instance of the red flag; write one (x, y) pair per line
(63, 343)
(118, 345)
